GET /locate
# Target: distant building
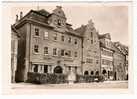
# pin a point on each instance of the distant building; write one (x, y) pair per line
(106, 56)
(120, 61)
(90, 50)
(48, 44)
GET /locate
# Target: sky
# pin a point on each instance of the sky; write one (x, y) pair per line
(106, 18)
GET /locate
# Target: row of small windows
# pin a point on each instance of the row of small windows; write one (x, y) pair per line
(63, 38)
(36, 66)
(107, 62)
(91, 35)
(91, 73)
(88, 60)
(42, 68)
(108, 53)
(59, 22)
(108, 43)
(55, 36)
(55, 51)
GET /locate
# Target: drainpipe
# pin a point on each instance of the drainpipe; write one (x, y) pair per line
(100, 59)
(82, 57)
(113, 67)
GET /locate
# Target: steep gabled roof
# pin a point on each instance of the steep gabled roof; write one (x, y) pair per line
(71, 30)
(43, 12)
(107, 35)
(121, 47)
(81, 30)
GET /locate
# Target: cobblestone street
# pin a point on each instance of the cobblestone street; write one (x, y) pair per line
(106, 84)
(28, 88)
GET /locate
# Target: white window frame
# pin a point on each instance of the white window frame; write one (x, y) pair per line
(46, 50)
(37, 48)
(46, 35)
(55, 52)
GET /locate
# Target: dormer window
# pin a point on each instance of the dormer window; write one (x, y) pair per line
(59, 12)
(69, 40)
(59, 22)
(75, 41)
(62, 38)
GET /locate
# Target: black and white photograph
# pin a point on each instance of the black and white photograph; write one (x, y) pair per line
(68, 45)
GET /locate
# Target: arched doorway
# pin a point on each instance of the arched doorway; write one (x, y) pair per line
(92, 73)
(104, 71)
(97, 73)
(86, 73)
(58, 70)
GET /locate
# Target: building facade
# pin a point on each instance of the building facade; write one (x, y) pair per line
(90, 48)
(106, 56)
(120, 61)
(48, 44)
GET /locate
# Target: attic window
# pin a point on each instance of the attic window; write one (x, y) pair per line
(59, 22)
(59, 12)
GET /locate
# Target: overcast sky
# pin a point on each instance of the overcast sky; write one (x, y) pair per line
(107, 19)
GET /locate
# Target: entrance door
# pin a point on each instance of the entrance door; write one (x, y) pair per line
(58, 70)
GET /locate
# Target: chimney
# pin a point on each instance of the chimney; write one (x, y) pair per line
(16, 18)
(21, 14)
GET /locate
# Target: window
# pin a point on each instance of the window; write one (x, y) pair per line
(59, 22)
(36, 48)
(36, 31)
(69, 53)
(45, 68)
(75, 54)
(75, 41)
(58, 70)
(54, 51)
(104, 71)
(45, 34)
(35, 67)
(45, 50)
(91, 35)
(76, 69)
(59, 12)
(89, 60)
(97, 62)
(55, 36)
(62, 52)
(62, 38)
(69, 68)
(69, 40)
(91, 41)
(86, 73)
(97, 73)
(92, 72)
(66, 53)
